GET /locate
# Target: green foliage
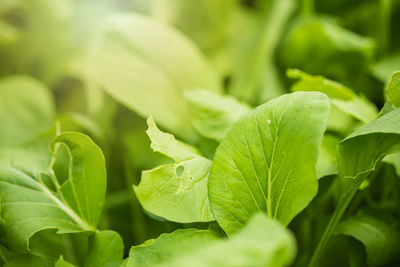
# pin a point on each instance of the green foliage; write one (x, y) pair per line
(262, 242)
(199, 133)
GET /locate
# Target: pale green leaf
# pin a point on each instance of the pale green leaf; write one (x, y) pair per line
(26, 110)
(213, 115)
(146, 65)
(341, 96)
(379, 236)
(262, 166)
(176, 191)
(105, 249)
(169, 246)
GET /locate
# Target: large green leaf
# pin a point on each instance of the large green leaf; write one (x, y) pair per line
(379, 236)
(105, 249)
(176, 191)
(29, 205)
(146, 66)
(341, 96)
(213, 115)
(261, 243)
(26, 110)
(169, 246)
(263, 166)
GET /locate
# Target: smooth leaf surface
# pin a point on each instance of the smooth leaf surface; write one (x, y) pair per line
(26, 110)
(169, 246)
(261, 243)
(28, 206)
(177, 191)
(262, 166)
(146, 65)
(105, 249)
(213, 115)
(379, 236)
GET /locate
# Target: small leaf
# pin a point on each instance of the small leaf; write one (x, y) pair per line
(105, 249)
(177, 191)
(342, 97)
(213, 115)
(262, 166)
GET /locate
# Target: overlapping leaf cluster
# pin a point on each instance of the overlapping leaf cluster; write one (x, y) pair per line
(276, 127)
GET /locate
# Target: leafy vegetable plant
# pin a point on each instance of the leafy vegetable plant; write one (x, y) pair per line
(199, 133)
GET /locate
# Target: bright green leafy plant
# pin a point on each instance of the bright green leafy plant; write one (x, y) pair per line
(199, 133)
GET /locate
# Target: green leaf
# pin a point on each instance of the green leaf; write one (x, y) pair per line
(341, 96)
(135, 65)
(379, 236)
(169, 246)
(105, 249)
(213, 115)
(85, 189)
(393, 89)
(28, 205)
(26, 110)
(176, 191)
(358, 155)
(261, 243)
(262, 166)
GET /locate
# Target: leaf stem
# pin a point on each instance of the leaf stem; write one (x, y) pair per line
(343, 203)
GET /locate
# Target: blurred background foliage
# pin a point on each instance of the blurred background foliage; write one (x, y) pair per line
(56, 57)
